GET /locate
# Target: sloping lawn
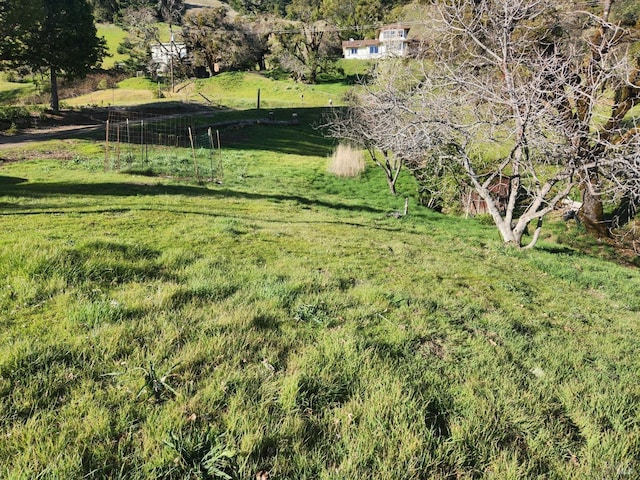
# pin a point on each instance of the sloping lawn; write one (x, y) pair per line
(282, 322)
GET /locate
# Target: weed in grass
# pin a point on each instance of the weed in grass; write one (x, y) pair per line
(202, 454)
(93, 313)
(311, 314)
(157, 387)
(523, 292)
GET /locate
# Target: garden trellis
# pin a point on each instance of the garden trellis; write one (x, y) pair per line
(173, 145)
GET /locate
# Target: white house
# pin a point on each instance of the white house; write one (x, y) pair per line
(391, 41)
(162, 53)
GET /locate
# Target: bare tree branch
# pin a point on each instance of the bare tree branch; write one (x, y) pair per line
(516, 90)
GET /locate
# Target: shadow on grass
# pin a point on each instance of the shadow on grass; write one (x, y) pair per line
(347, 79)
(44, 190)
(106, 263)
(172, 108)
(5, 181)
(9, 96)
(275, 133)
(557, 250)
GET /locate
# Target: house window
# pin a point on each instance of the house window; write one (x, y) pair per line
(353, 51)
(392, 34)
(373, 49)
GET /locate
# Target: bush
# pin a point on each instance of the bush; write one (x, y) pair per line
(90, 83)
(13, 118)
(347, 161)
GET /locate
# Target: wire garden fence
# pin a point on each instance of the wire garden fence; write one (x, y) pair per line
(171, 145)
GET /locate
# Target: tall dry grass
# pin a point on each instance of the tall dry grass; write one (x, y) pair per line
(346, 161)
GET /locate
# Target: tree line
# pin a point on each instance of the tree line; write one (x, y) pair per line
(355, 12)
(112, 11)
(304, 41)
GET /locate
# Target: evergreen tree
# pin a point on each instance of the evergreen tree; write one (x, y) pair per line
(17, 19)
(55, 35)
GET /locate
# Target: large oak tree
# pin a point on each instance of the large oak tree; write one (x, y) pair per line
(221, 43)
(307, 45)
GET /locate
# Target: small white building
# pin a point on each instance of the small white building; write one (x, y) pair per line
(391, 41)
(162, 53)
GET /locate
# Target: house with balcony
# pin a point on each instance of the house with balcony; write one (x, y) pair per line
(390, 41)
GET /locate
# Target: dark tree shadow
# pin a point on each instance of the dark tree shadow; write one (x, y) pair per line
(8, 181)
(44, 190)
(9, 96)
(556, 250)
(279, 130)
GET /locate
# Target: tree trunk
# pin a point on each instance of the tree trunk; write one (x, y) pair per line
(55, 101)
(392, 186)
(390, 173)
(313, 73)
(592, 213)
(536, 235)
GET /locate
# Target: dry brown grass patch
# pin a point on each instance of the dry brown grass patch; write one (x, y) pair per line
(346, 161)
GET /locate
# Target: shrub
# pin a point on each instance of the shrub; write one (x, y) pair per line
(346, 161)
(13, 118)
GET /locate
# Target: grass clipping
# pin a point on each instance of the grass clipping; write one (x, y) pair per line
(346, 161)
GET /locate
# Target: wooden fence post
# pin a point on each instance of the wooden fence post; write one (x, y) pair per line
(193, 151)
(106, 149)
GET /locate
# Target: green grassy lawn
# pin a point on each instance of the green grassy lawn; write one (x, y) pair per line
(132, 91)
(114, 36)
(238, 90)
(11, 92)
(282, 322)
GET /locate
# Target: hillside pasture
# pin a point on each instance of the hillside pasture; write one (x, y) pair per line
(133, 91)
(236, 90)
(12, 92)
(284, 322)
(114, 36)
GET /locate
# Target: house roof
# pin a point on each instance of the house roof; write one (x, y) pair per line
(359, 43)
(373, 42)
(394, 26)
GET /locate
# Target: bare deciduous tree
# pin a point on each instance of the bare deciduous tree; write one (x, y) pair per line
(378, 121)
(305, 49)
(528, 90)
(305, 45)
(142, 30)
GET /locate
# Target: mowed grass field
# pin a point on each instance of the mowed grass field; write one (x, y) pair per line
(237, 90)
(282, 322)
